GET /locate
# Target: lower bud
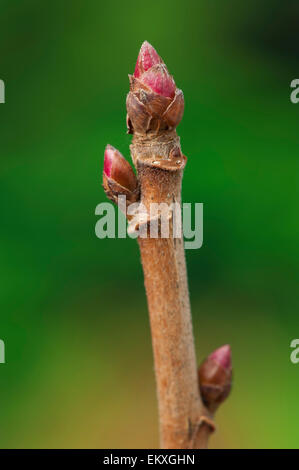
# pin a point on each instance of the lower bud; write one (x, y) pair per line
(215, 377)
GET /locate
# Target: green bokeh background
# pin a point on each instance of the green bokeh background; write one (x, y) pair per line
(79, 369)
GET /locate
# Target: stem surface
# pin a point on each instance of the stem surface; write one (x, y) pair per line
(164, 266)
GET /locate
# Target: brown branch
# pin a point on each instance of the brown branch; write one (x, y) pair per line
(163, 261)
(155, 107)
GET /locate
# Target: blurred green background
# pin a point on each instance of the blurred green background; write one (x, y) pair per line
(79, 369)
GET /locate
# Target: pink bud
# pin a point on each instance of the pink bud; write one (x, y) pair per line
(154, 103)
(147, 58)
(215, 377)
(118, 169)
(222, 356)
(158, 79)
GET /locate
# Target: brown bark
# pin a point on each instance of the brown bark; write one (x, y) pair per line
(155, 107)
(160, 167)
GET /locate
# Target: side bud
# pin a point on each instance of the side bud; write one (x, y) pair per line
(118, 176)
(215, 377)
(154, 103)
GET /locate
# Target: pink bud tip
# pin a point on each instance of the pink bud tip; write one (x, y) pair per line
(147, 58)
(108, 159)
(159, 80)
(222, 356)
